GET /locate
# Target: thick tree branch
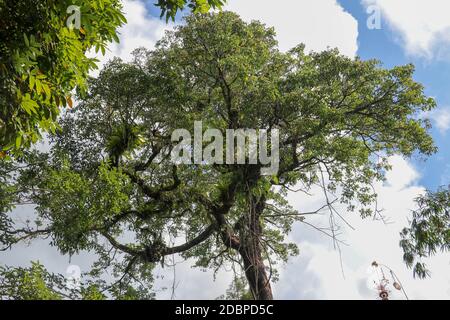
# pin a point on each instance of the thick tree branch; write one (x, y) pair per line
(192, 243)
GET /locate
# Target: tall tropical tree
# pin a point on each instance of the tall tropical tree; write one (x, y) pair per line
(109, 185)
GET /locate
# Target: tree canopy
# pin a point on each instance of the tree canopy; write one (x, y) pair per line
(169, 8)
(43, 58)
(108, 184)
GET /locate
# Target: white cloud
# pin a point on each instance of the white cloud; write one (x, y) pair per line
(318, 24)
(190, 283)
(141, 30)
(402, 175)
(423, 25)
(441, 118)
(318, 267)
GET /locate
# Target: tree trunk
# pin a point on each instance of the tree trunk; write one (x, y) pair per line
(251, 252)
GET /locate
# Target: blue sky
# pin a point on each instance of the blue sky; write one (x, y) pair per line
(434, 74)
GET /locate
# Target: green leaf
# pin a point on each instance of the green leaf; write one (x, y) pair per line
(27, 43)
(47, 91)
(38, 86)
(31, 82)
(18, 141)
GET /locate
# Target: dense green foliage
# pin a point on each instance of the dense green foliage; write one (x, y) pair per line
(42, 60)
(27, 284)
(36, 283)
(108, 174)
(169, 8)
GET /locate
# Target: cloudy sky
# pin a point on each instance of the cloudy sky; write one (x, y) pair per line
(414, 31)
